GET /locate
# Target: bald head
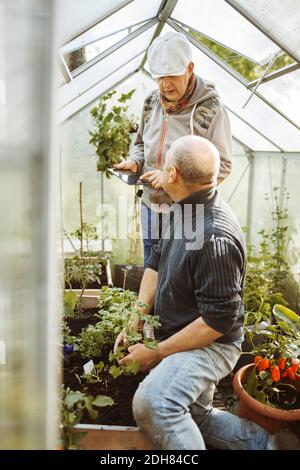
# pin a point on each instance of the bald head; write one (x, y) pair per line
(196, 159)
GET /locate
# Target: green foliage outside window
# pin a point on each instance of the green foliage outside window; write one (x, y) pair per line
(248, 69)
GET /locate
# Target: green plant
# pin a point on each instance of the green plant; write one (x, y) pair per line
(95, 376)
(84, 272)
(272, 380)
(122, 313)
(70, 301)
(93, 339)
(116, 370)
(250, 70)
(111, 138)
(85, 266)
(111, 296)
(68, 339)
(115, 306)
(119, 311)
(134, 252)
(74, 404)
(269, 278)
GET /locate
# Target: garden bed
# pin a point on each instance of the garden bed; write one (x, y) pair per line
(120, 389)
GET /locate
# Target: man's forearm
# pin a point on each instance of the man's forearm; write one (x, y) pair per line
(148, 289)
(196, 335)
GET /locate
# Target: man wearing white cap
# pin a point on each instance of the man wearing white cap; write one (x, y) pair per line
(183, 104)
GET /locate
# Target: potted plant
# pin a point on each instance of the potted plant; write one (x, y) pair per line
(129, 275)
(91, 368)
(82, 273)
(269, 278)
(269, 388)
(114, 126)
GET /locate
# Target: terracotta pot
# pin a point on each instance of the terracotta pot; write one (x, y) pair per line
(271, 419)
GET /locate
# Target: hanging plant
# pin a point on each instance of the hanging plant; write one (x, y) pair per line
(111, 138)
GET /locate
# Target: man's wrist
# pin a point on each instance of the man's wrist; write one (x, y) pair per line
(162, 350)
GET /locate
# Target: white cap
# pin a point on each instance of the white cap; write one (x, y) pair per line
(169, 55)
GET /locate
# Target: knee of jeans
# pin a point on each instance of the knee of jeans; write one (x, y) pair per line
(143, 405)
(149, 407)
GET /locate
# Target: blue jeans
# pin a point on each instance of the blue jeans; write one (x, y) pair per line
(173, 404)
(152, 225)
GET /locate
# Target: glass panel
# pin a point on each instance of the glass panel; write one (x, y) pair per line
(99, 89)
(233, 94)
(281, 18)
(113, 61)
(238, 200)
(81, 56)
(257, 113)
(267, 175)
(284, 93)
(249, 136)
(244, 66)
(79, 164)
(221, 22)
(137, 11)
(75, 16)
(293, 188)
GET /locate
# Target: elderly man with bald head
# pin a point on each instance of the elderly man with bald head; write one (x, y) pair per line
(196, 289)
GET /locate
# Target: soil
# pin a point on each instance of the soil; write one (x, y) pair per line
(121, 389)
(133, 278)
(87, 318)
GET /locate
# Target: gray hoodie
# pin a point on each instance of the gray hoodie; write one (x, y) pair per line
(204, 116)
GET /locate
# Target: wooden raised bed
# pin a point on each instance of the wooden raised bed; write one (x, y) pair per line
(90, 298)
(105, 437)
(113, 438)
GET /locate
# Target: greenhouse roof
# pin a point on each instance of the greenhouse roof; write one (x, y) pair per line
(115, 36)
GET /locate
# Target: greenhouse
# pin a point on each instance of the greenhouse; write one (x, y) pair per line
(90, 136)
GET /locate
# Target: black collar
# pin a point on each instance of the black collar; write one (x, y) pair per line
(200, 197)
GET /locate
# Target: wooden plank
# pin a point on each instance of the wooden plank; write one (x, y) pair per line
(114, 439)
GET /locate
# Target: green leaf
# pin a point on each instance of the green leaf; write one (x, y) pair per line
(261, 396)
(285, 314)
(117, 109)
(94, 111)
(118, 118)
(251, 384)
(151, 344)
(103, 400)
(108, 118)
(70, 301)
(89, 406)
(72, 398)
(99, 367)
(115, 371)
(125, 97)
(132, 368)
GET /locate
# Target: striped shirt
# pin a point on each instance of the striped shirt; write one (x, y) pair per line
(205, 278)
